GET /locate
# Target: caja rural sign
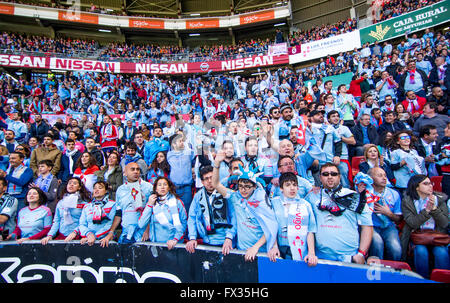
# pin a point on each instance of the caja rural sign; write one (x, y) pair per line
(420, 19)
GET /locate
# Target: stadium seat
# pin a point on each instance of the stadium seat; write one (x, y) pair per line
(437, 183)
(355, 164)
(440, 275)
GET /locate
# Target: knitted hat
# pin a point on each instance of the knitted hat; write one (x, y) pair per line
(284, 106)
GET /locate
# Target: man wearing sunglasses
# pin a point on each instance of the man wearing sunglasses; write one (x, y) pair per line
(338, 237)
(274, 114)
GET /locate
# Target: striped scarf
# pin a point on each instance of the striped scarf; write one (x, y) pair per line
(168, 201)
(44, 182)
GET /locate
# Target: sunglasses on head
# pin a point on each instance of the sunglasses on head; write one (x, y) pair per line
(326, 174)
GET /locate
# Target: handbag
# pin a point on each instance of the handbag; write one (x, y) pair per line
(430, 237)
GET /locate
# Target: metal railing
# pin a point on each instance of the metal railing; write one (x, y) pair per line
(183, 57)
(189, 56)
(74, 54)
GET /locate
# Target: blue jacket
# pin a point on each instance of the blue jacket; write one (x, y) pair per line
(130, 212)
(18, 185)
(196, 223)
(101, 229)
(163, 226)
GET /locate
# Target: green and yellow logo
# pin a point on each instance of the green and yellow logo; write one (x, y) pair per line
(380, 32)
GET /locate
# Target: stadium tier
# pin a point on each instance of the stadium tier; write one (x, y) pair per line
(279, 153)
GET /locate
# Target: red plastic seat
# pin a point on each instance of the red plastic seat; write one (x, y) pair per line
(440, 275)
(437, 183)
(393, 264)
(355, 164)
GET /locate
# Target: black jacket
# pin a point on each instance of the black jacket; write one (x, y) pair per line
(434, 77)
(64, 172)
(98, 155)
(387, 127)
(420, 148)
(39, 130)
(359, 136)
(444, 101)
(401, 84)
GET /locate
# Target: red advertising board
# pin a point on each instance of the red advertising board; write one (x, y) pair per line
(202, 23)
(146, 23)
(141, 68)
(257, 17)
(76, 16)
(6, 9)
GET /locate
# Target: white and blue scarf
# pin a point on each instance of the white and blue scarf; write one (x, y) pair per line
(168, 201)
(44, 183)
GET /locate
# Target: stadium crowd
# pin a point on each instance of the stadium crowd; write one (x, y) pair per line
(120, 51)
(386, 9)
(19, 43)
(261, 164)
(322, 32)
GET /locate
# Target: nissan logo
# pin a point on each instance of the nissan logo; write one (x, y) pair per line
(204, 66)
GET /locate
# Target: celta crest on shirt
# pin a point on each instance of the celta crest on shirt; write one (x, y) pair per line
(134, 193)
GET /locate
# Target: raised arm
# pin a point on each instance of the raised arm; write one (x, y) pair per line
(216, 179)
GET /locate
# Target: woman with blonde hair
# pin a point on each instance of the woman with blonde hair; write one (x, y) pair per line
(373, 159)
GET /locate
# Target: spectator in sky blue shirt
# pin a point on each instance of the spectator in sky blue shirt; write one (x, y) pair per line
(180, 158)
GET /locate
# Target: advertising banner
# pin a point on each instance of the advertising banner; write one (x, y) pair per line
(278, 49)
(420, 19)
(75, 16)
(329, 46)
(257, 17)
(145, 262)
(202, 23)
(140, 68)
(73, 13)
(344, 78)
(146, 23)
(296, 49)
(203, 67)
(6, 9)
(84, 65)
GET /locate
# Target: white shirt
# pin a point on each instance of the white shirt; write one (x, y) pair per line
(428, 146)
